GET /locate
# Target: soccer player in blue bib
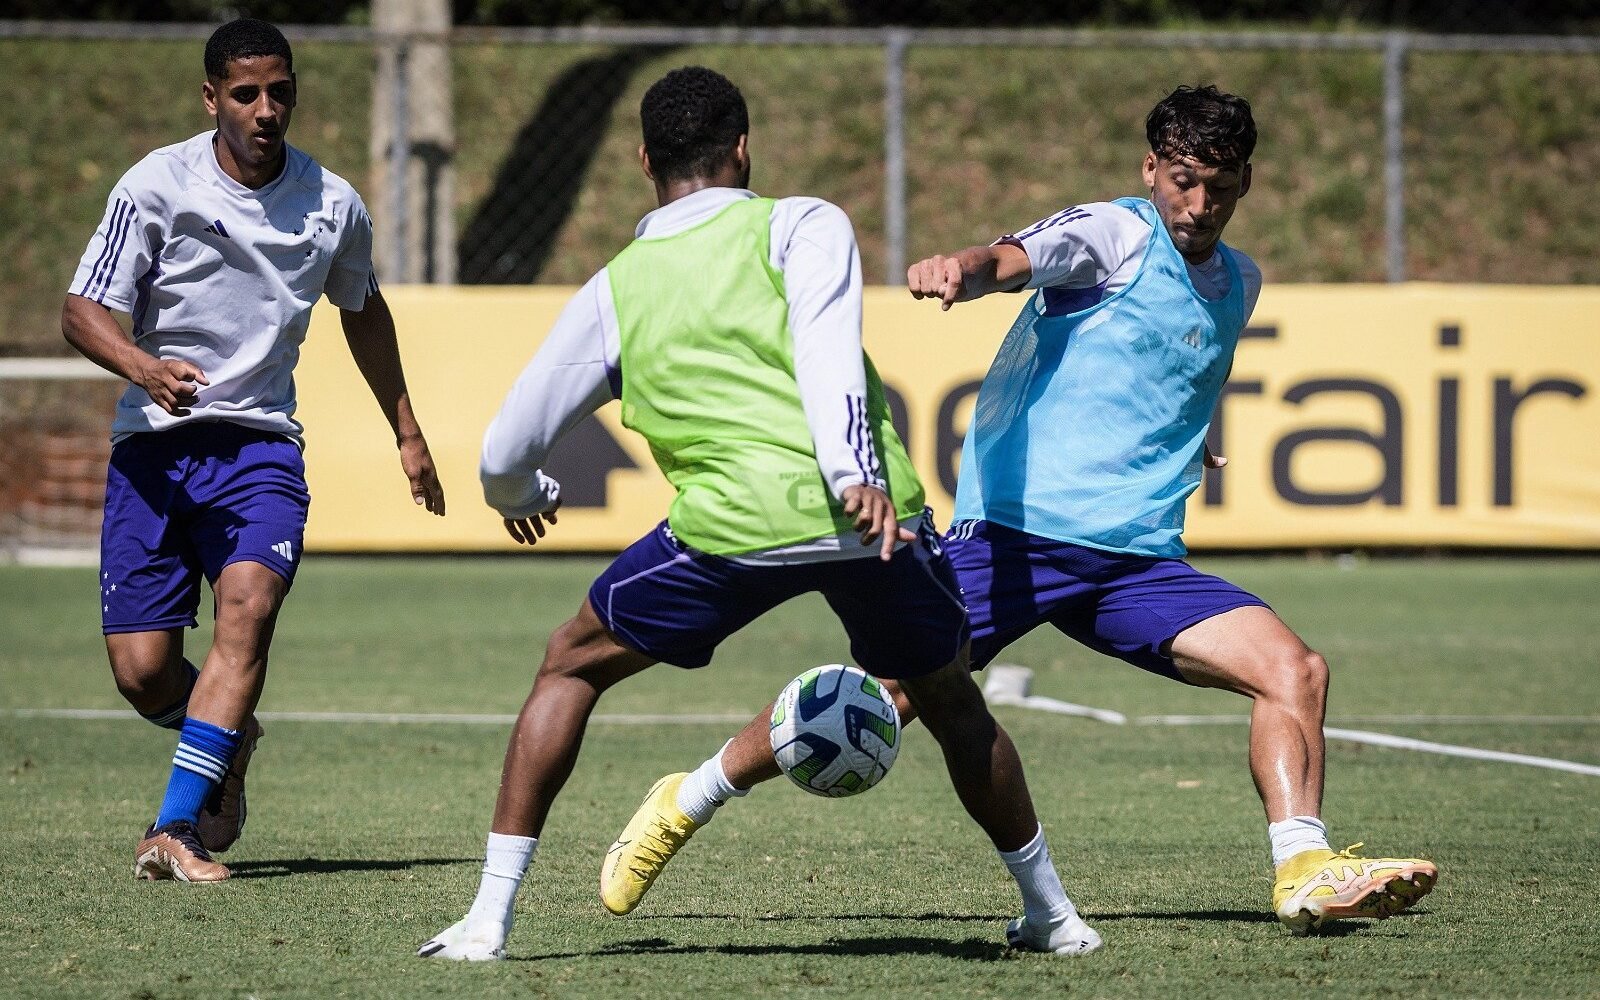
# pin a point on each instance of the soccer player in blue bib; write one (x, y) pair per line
(218, 247)
(1088, 437)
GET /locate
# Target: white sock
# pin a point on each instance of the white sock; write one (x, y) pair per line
(1296, 835)
(707, 788)
(1044, 901)
(505, 861)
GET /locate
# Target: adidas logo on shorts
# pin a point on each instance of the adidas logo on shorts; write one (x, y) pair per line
(285, 549)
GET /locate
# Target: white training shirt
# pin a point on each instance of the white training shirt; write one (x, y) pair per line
(577, 369)
(1086, 253)
(224, 277)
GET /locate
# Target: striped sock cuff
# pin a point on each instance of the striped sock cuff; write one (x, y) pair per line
(170, 718)
(204, 764)
(206, 749)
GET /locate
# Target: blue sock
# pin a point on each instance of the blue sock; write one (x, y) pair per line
(205, 752)
(173, 715)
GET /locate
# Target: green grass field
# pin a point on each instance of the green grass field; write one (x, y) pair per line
(365, 838)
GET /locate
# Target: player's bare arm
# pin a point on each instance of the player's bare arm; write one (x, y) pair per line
(969, 274)
(371, 336)
(94, 332)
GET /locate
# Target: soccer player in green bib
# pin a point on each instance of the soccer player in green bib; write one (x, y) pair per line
(731, 332)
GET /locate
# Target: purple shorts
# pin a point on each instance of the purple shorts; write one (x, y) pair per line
(675, 604)
(1126, 606)
(187, 502)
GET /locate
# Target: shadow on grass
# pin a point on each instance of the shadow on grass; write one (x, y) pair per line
(987, 918)
(968, 949)
(1335, 928)
(334, 866)
(1222, 916)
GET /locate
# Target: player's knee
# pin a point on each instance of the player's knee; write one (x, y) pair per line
(949, 702)
(1300, 676)
(137, 677)
(248, 606)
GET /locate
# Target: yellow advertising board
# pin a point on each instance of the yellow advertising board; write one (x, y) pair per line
(1356, 415)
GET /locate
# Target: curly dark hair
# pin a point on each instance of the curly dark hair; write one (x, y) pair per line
(242, 39)
(692, 118)
(1204, 123)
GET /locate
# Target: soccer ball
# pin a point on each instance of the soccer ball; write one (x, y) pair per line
(835, 731)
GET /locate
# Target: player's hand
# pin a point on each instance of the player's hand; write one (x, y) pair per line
(1213, 461)
(171, 384)
(418, 465)
(873, 512)
(937, 277)
(528, 530)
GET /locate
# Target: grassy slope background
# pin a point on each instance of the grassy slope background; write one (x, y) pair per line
(1496, 146)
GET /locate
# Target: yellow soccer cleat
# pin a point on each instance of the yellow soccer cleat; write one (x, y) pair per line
(654, 834)
(1318, 885)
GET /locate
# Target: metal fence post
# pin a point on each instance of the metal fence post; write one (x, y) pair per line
(894, 155)
(1394, 156)
(400, 166)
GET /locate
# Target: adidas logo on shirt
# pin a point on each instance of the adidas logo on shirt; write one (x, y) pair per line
(285, 549)
(1192, 338)
(217, 229)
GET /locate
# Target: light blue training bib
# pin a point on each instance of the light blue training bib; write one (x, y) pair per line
(1089, 426)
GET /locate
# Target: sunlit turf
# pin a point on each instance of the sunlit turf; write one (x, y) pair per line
(365, 838)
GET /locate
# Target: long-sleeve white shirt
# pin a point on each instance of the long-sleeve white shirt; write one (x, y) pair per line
(577, 369)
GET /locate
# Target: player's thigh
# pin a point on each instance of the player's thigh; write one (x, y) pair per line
(251, 500)
(583, 648)
(140, 660)
(1143, 605)
(676, 605)
(1248, 650)
(150, 573)
(904, 616)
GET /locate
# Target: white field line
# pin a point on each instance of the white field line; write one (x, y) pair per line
(1034, 702)
(1420, 720)
(1451, 750)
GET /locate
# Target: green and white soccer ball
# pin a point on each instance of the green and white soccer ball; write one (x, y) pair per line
(835, 731)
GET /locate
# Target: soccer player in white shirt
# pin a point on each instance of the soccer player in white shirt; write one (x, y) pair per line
(218, 247)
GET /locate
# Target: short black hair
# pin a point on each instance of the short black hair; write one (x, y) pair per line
(692, 118)
(242, 39)
(1204, 123)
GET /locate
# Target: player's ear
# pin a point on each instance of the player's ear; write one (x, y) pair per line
(208, 93)
(1149, 170)
(294, 90)
(1244, 181)
(644, 161)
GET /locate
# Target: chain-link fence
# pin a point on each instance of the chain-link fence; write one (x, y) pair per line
(493, 155)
